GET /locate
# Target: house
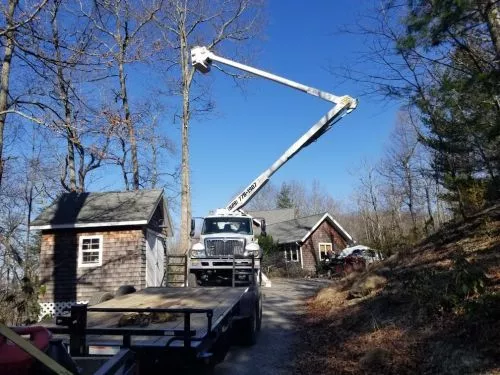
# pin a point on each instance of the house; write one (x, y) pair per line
(96, 242)
(307, 240)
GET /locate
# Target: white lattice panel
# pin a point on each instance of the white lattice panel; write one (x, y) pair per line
(55, 308)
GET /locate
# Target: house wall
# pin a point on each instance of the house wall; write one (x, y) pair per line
(310, 248)
(123, 262)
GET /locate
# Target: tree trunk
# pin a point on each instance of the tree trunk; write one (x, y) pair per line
(128, 119)
(154, 163)
(373, 202)
(5, 76)
(122, 163)
(429, 208)
(64, 97)
(187, 77)
(491, 13)
(82, 170)
(411, 199)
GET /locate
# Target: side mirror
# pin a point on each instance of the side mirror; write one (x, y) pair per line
(263, 227)
(193, 226)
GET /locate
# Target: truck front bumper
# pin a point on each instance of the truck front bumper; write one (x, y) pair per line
(222, 263)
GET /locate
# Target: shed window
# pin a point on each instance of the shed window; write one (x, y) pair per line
(291, 254)
(90, 253)
(324, 248)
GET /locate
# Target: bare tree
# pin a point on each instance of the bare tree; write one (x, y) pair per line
(369, 202)
(122, 25)
(156, 147)
(73, 60)
(264, 200)
(215, 24)
(306, 199)
(15, 18)
(312, 199)
(399, 165)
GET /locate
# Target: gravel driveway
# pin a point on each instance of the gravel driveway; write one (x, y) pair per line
(273, 352)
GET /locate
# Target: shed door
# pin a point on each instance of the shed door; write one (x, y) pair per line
(155, 259)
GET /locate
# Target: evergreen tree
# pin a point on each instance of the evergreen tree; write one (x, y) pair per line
(283, 199)
(459, 102)
(268, 245)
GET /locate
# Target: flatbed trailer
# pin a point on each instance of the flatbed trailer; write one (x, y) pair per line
(172, 329)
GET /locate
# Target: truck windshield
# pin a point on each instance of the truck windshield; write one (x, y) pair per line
(213, 225)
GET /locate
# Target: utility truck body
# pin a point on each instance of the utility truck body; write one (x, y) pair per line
(227, 251)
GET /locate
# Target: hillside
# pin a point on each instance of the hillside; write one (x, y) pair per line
(431, 309)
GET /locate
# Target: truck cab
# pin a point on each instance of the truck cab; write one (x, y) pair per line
(227, 243)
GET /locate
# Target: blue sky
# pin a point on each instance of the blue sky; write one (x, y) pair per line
(250, 129)
(253, 128)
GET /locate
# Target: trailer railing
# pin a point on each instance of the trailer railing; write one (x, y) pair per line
(75, 325)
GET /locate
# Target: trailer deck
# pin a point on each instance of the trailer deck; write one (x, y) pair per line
(218, 299)
(193, 312)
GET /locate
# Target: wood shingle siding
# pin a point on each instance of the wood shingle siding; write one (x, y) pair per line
(123, 262)
(324, 233)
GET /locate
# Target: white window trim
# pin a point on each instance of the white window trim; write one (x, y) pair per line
(80, 252)
(319, 248)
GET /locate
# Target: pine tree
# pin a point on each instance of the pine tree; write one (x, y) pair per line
(283, 199)
(459, 101)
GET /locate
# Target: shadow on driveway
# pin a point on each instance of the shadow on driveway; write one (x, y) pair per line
(273, 354)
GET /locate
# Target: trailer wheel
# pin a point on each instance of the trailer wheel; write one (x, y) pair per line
(249, 330)
(259, 316)
(100, 297)
(124, 289)
(192, 281)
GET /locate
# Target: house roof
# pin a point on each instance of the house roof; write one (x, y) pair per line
(274, 216)
(83, 210)
(298, 230)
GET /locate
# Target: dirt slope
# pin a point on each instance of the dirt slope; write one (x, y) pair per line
(433, 309)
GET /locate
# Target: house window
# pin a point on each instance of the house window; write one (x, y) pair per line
(291, 254)
(324, 248)
(90, 252)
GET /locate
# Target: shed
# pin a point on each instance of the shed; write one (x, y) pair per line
(307, 240)
(96, 242)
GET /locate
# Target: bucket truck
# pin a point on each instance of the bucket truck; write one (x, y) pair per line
(228, 250)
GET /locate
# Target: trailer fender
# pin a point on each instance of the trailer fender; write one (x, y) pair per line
(248, 302)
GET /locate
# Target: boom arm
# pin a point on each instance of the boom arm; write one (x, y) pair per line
(202, 58)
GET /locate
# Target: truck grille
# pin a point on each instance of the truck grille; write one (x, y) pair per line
(224, 247)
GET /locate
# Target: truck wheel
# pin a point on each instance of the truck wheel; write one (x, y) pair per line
(192, 281)
(124, 289)
(100, 297)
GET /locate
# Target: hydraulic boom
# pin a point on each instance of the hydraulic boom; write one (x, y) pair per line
(202, 59)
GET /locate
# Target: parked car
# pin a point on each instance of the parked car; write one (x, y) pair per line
(368, 254)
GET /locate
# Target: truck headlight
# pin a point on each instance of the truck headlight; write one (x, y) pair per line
(198, 250)
(252, 249)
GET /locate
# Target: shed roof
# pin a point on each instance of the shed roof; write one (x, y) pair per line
(80, 210)
(298, 230)
(274, 216)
